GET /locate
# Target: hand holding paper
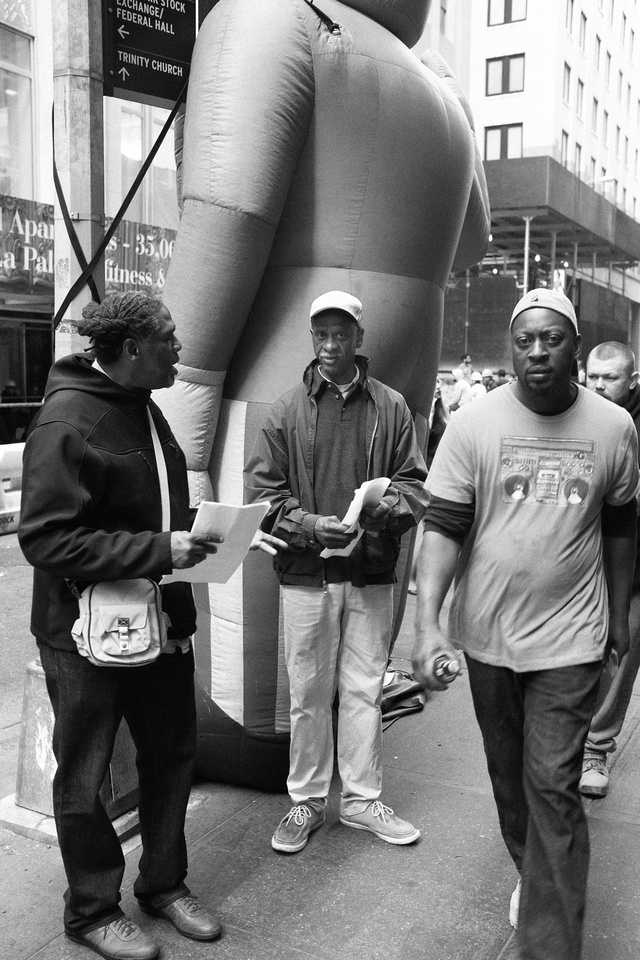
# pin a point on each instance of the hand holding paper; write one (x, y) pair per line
(369, 494)
(237, 526)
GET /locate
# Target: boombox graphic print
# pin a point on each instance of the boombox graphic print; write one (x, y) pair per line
(544, 470)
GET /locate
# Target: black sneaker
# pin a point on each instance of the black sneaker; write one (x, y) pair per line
(294, 829)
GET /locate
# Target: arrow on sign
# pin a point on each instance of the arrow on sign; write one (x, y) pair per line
(124, 73)
(123, 33)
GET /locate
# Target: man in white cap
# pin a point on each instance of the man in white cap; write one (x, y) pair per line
(488, 379)
(320, 442)
(532, 505)
(478, 388)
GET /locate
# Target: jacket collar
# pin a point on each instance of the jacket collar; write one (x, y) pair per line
(313, 380)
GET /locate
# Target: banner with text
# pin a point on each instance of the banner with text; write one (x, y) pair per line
(137, 257)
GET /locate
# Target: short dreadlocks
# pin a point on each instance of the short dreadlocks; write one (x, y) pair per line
(118, 317)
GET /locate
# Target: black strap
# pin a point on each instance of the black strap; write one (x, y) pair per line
(89, 268)
(328, 22)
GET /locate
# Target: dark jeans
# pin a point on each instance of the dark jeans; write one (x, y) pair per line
(534, 726)
(88, 703)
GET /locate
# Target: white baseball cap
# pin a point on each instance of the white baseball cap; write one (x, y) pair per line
(338, 300)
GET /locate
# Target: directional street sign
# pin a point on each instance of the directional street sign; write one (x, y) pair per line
(147, 48)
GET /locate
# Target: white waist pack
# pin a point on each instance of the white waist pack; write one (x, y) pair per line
(121, 623)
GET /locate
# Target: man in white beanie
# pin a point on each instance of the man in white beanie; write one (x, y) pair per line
(532, 506)
(337, 429)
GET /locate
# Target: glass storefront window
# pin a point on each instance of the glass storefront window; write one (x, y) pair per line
(16, 135)
(131, 146)
(26, 349)
(15, 49)
(137, 127)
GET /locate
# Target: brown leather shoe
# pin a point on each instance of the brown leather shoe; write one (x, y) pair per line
(188, 917)
(122, 939)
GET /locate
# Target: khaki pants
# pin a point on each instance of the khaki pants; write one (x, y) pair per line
(336, 640)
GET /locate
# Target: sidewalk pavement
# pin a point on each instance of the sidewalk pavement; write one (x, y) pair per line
(347, 894)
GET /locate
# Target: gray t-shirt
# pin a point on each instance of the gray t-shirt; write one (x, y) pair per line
(530, 588)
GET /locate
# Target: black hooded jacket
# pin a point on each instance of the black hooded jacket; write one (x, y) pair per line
(91, 507)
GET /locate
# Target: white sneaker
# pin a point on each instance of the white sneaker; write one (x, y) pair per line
(514, 906)
(381, 820)
(595, 776)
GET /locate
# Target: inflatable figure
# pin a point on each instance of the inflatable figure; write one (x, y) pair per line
(320, 154)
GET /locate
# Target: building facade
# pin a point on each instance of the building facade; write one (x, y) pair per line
(554, 86)
(140, 251)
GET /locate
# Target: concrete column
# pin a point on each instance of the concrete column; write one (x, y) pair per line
(78, 144)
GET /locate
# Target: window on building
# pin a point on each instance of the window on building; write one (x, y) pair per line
(626, 151)
(617, 142)
(632, 42)
(597, 52)
(605, 126)
(505, 75)
(594, 115)
(612, 9)
(568, 15)
(503, 143)
(583, 31)
(16, 133)
(592, 170)
(443, 17)
(623, 31)
(620, 84)
(579, 98)
(155, 202)
(607, 68)
(629, 98)
(577, 159)
(506, 11)
(564, 149)
(566, 83)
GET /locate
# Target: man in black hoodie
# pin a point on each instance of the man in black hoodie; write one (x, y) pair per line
(611, 372)
(92, 510)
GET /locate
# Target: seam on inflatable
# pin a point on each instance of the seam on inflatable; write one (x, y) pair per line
(229, 209)
(206, 378)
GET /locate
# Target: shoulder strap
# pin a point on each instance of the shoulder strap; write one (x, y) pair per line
(162, 474)
(328, 22)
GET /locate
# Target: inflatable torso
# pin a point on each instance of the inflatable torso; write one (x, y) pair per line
(315, 158)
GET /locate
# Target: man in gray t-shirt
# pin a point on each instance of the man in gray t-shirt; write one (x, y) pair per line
(533, 508)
